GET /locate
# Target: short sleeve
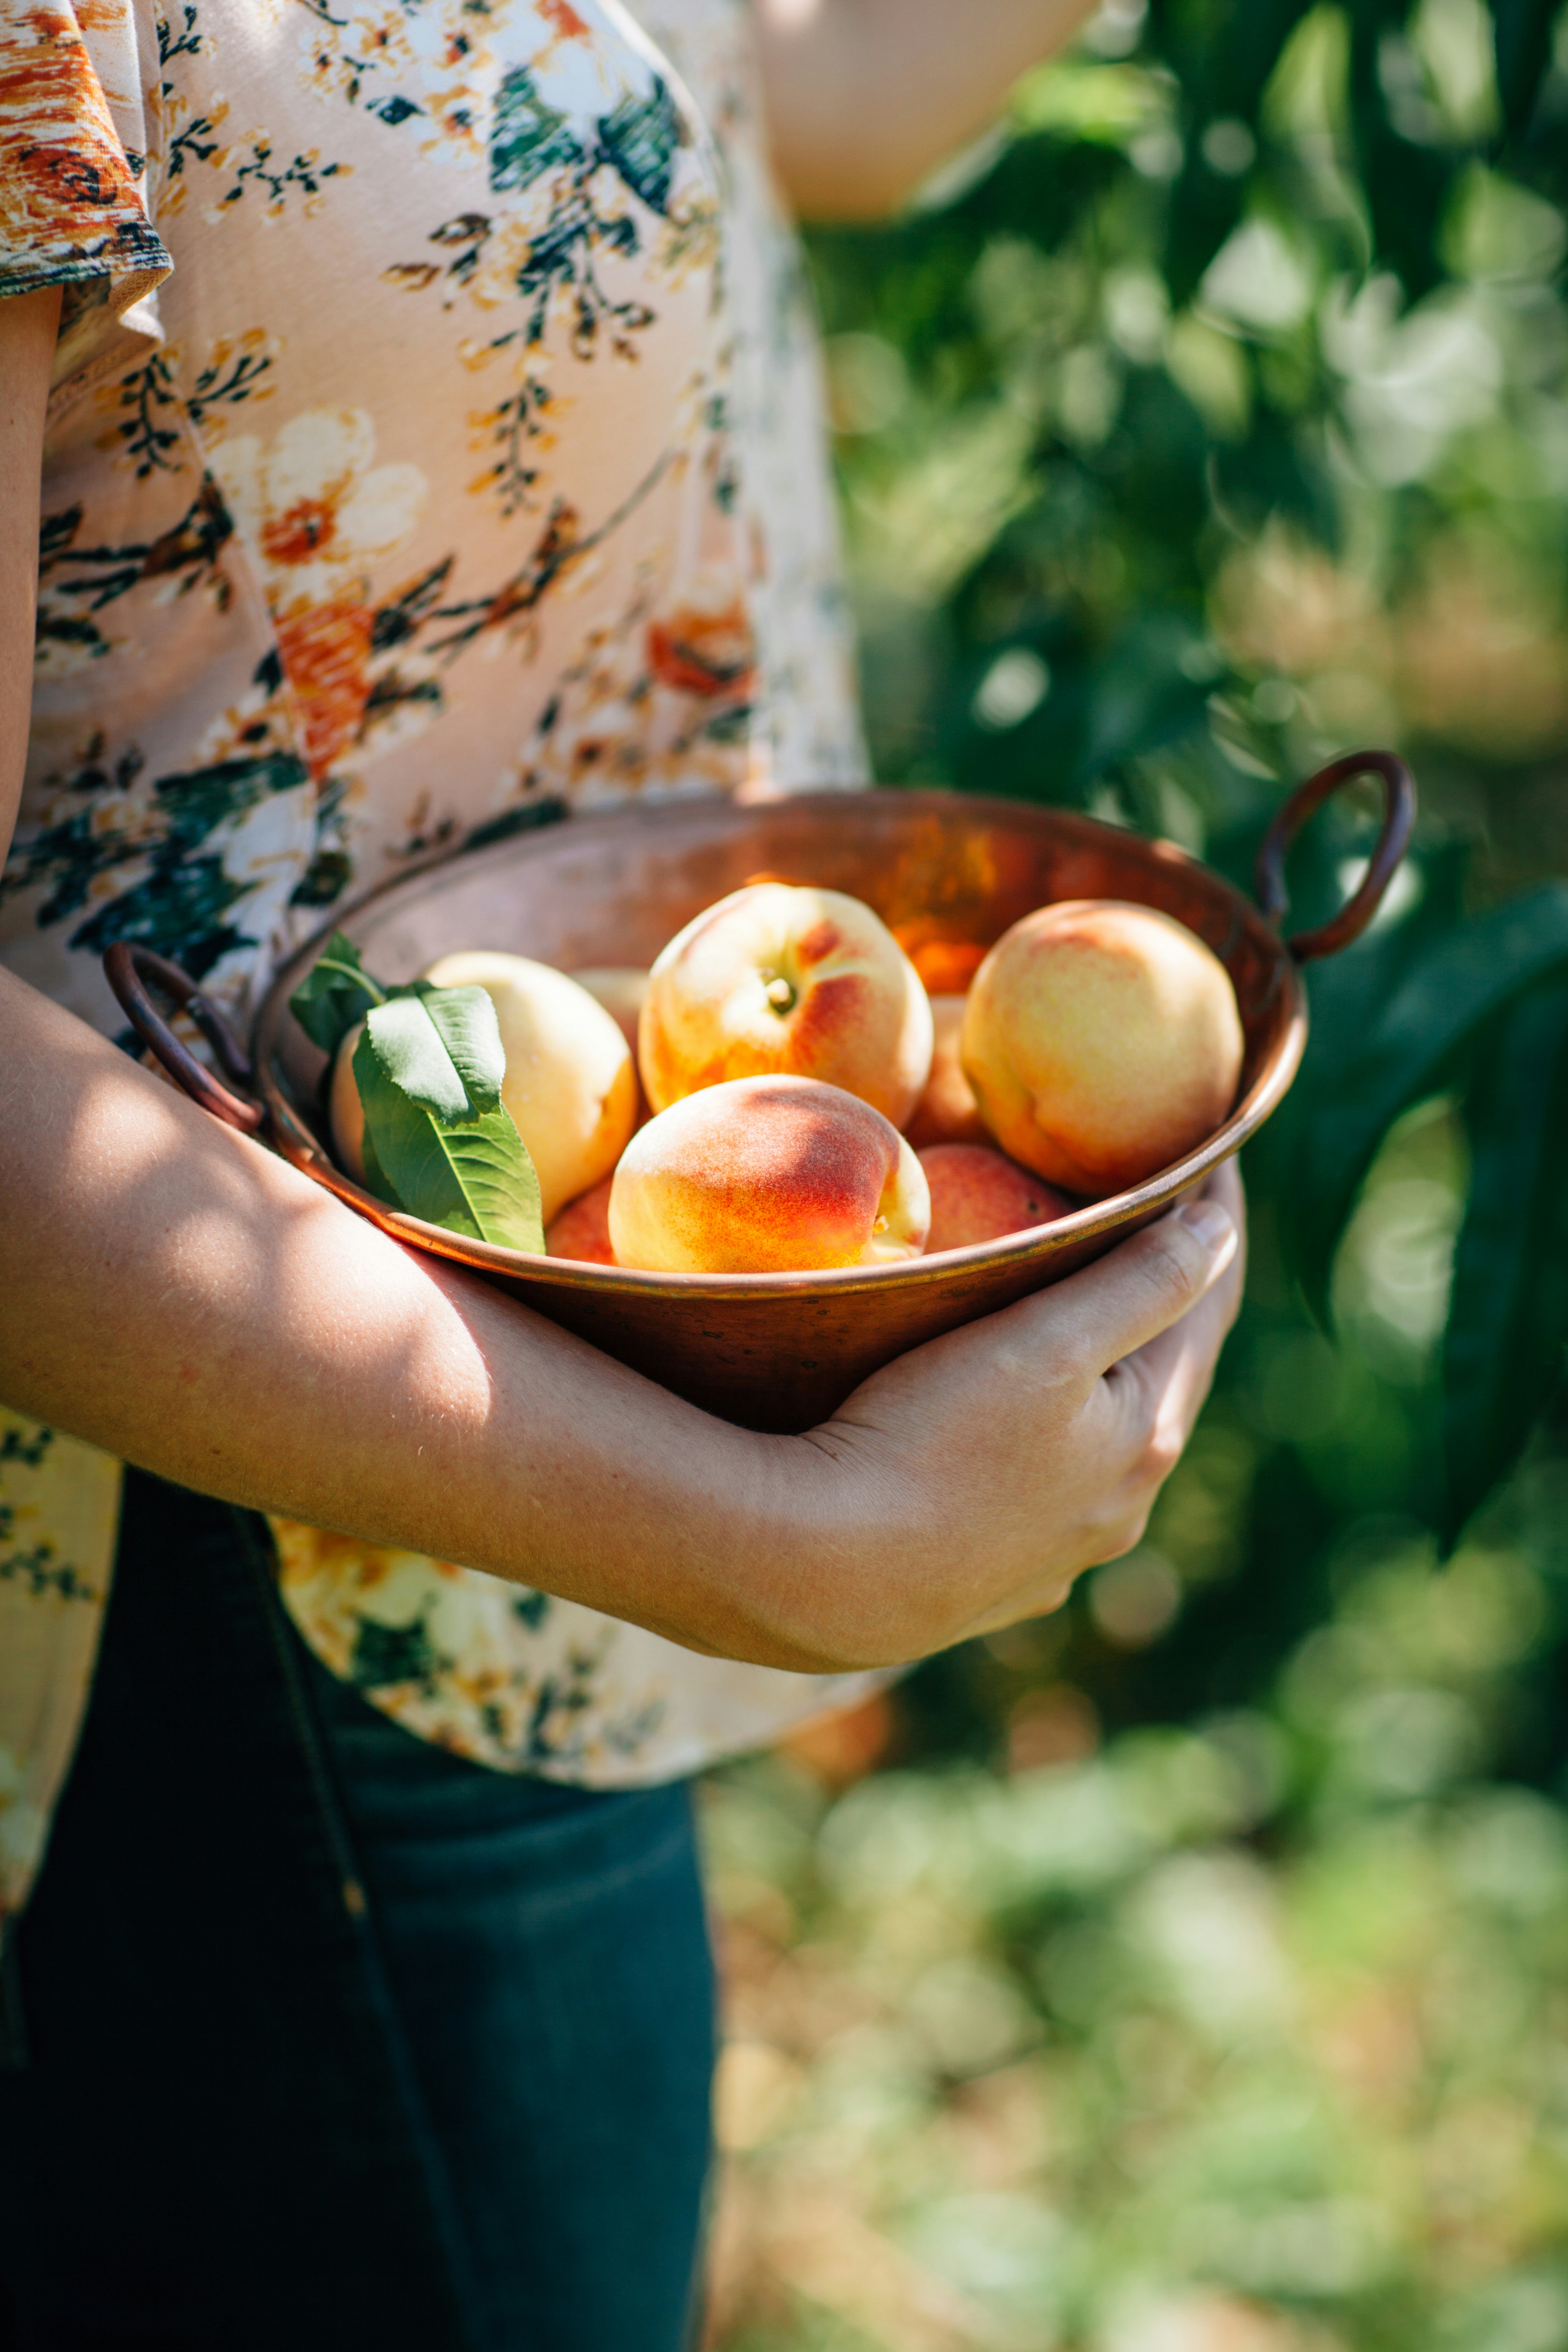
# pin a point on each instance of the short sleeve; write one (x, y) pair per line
(73, 175)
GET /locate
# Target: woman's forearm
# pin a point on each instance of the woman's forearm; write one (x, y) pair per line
(179, 1295)
(864, 97)
(28, 323)
(175, 1293)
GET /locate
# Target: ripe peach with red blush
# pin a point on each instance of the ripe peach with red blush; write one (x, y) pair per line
(784, 981)
(1102, 1041)
(767, 1175)
(977, 1194)
(581, 1229)
(947, 1111)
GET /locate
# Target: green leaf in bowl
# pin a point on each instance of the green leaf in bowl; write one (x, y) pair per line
(438, 1140)
(336, 992)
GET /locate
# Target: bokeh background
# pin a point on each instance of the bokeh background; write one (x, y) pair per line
(1188, 1972)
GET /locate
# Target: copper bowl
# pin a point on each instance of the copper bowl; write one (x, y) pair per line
(782, 1351)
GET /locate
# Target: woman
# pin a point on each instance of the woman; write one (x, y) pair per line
(430, 443)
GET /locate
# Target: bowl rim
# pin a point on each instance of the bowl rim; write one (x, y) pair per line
(1036, 1243)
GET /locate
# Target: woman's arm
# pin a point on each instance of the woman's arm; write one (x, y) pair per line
(864, 97)
(177, 1294)
(28, 323)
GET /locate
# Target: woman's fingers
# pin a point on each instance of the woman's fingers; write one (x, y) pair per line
(1140, 1288)
(1162, 1388)
(1225, 1186)
(1156, 1394)
(1207, 1322)
(1162, 1384)
(1006, 1457)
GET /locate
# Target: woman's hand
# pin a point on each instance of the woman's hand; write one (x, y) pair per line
(175, 1293)
(973, 1478)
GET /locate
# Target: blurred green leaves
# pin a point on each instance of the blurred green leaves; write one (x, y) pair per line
(1191, 1983)
(1212, 423)
(1524, 33)
(1411, 1046)
(1509, 1319)
(1239, 2037)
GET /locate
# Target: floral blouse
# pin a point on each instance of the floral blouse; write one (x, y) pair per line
(435, 440)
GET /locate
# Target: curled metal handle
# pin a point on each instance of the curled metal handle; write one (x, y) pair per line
(1398, 819)
(127, 968)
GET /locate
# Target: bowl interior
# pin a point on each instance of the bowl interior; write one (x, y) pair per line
(936, 867)
(782, 1351)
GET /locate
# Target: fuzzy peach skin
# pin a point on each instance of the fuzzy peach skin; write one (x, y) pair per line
(347, 1120)
(581, 1229)
(1102, 1042)
(767, 1176)
(947, 1111)
(977, 1195)
(345, 1112)
(569, 1083)
(620, 987)
(782, 980)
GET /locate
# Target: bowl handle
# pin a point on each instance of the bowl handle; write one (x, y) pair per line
(127, 968)
(1398, 818)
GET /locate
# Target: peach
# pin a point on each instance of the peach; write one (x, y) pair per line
(947, 1112)
(620, 989)
(766, 1175)
(1102, 1041)
(977, 1195)
(780, 980)
(581, 1229)
(569, 1083)
(344, 1111)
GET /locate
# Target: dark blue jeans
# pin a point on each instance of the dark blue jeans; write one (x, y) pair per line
(318, 2037)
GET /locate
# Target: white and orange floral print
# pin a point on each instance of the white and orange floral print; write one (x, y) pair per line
(435, 446)
(315, 512)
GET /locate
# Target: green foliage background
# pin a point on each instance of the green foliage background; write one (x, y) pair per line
(1208, 419)
(1219, 425)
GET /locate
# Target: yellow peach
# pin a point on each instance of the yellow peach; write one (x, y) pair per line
(345, 1112)
(947, 1112)
(570, 1084)
(581, 1229)
(781, 980)
(620, 987)
(766, 1175)
(1102, 1041)
(977, 1195)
